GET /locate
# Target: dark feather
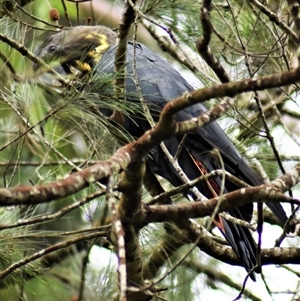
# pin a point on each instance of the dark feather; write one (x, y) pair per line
(160, 83)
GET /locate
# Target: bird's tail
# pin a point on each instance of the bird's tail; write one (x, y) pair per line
(242, 243)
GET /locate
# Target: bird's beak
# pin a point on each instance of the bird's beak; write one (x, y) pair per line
(48, 78)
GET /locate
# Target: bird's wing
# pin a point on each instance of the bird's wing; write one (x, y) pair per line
(160, 83)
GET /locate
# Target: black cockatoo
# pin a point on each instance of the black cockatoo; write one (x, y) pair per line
(91, 49)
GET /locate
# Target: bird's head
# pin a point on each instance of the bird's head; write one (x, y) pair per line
(79, 47)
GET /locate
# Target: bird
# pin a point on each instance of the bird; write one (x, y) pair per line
(91, 50)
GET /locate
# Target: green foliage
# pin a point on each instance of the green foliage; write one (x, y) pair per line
(13, 247)
(69, 133)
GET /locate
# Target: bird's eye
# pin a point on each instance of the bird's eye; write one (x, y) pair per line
(51, 48)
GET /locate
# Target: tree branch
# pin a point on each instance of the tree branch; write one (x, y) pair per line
(265, 193)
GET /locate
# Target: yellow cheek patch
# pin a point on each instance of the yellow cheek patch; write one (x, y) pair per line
(103, 45)
(82, 66)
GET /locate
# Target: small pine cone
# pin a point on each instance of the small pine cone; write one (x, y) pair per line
(54, 14)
